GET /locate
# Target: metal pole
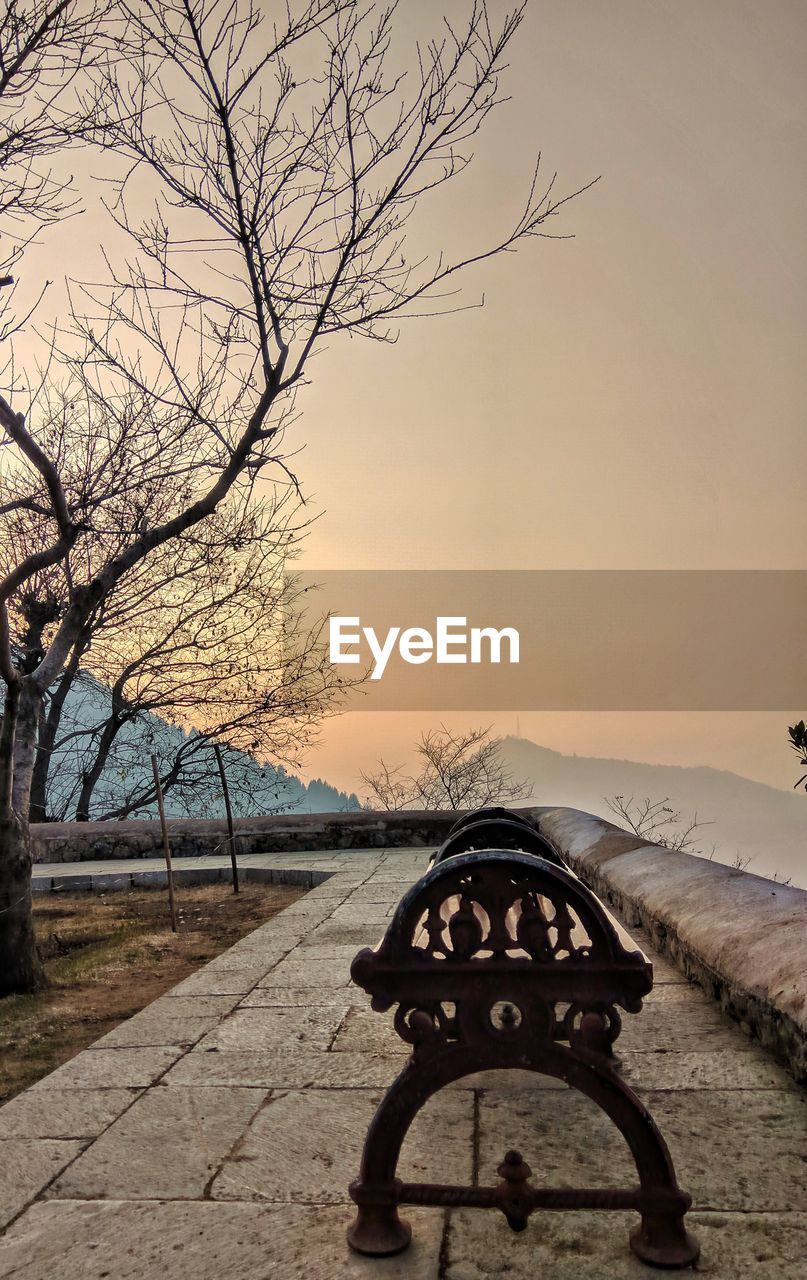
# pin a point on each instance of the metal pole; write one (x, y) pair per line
(229, 811)
(166, 843)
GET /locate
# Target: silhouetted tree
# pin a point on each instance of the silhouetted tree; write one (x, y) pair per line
(45, 48)
(657, 822)
(459, 771)
(209, 631)
(282, 164)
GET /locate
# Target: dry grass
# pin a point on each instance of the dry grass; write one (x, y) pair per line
(108, 955)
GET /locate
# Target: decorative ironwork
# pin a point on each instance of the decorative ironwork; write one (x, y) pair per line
(502, 828)
(496, 960)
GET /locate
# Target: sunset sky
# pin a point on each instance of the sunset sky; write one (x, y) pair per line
(631, 398)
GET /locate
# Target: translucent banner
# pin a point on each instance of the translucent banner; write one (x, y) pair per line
(598, 640)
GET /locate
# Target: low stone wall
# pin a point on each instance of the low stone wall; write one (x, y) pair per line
(741, 937)
(193, 838)
(114, 881)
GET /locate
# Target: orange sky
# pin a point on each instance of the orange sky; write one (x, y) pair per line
(633, 398)
(750, 743)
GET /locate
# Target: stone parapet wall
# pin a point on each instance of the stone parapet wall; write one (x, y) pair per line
(741, 937)
(196, 837)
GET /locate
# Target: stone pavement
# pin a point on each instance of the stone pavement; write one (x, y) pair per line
(214, 1134)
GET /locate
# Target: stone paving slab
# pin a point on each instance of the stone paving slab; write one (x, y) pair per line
(749, 1068)
(158, 1028)
(215, 1133)
(594, 1246)
(737, 1149)
(361, 915)
(66, 1113)
(129, 1068)
(364, 1031)
(298, 997)
(290, 1070)
(168, 1145)
(682, 1027)
(27, 1165)
(260, 958)
(203, 1240)
(238, 980)
(275, 1028)
(298, 970)
(380, 893)
(354, 935)
(329, 1127)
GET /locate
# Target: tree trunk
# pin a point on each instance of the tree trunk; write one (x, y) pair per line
(47, 737)
(28, 715)
(90, 776)
(20, 967)
(39, 777)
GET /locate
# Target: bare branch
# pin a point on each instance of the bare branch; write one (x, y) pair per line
(460, 771)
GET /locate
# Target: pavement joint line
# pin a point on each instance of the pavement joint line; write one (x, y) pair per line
(444, 1258)
(266, 1101)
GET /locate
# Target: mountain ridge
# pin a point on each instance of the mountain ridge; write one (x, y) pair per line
(746, 818)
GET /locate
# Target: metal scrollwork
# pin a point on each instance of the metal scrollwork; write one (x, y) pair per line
(504, 959)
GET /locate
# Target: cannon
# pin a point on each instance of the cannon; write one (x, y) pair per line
(502, 959)
(496, 829)
(494, 813)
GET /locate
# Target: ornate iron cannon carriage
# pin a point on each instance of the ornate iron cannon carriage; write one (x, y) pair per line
(501, 959)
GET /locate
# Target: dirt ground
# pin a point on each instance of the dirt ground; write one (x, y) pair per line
(108, 955)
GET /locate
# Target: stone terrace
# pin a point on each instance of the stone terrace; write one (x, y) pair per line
(214, 1134)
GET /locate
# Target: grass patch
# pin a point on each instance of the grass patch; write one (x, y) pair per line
(108, 955)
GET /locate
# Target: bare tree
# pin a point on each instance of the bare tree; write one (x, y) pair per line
(44, 47)
(207, 635)
(657, 822)
(286, 161)
(459, 771)
(210, 631)
(741, 863)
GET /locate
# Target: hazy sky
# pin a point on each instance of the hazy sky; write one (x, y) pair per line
(630, 398)
(633, 397)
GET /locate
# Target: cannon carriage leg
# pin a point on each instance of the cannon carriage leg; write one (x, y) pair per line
(661, 1239)
(480, 971)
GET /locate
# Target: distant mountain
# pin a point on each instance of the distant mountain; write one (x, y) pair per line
(747, 818)
(257, 787)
